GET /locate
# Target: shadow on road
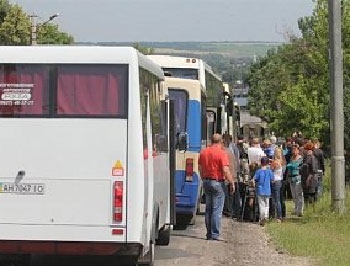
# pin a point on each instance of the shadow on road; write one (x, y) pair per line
(79, 261)
(171, 253)
(190, 236)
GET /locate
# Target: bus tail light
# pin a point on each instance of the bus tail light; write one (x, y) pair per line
(189, 170)
(118, 201)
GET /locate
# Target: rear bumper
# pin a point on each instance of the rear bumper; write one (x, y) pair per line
(186, 210)
(68, 248)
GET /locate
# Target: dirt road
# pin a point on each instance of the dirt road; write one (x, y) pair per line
(245, 244)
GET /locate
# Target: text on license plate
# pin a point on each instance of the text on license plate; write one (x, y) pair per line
(22, 188)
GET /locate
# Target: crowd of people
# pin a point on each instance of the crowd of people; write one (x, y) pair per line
(256, 176)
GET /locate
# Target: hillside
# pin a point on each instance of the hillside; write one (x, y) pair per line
(229, 59)
(230, 49)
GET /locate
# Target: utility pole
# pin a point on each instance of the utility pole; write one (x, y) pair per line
(33, 31)
(35, 25)
(336, 106)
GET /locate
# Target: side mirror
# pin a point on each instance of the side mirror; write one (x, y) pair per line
(182, 141)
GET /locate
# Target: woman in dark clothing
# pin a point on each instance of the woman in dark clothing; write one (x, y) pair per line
(309, 176)
(318, 153)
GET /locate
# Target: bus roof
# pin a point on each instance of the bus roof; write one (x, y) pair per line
(77, 55)
(168, 61)
(209, 69)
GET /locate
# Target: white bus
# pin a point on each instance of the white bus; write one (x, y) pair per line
(197, 69)
(84, 153)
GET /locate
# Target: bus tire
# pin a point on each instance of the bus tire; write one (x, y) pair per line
(163, 236)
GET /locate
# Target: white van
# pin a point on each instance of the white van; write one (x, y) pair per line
(84, 152)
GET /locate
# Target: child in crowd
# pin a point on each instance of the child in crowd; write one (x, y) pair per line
(263, 178)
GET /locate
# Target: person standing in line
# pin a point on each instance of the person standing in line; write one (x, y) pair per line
(286, 193)
(235, 198)
(255, 152)
(228, 205)
(309, 174)
(277, 166)
(214, 168)
(293, 174)
(268, 150)
(320, 166)
(263, 178)
(273, 140)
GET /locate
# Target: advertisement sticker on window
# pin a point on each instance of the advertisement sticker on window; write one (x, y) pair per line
(16, 94)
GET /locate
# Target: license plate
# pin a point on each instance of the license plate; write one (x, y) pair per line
(22, 188)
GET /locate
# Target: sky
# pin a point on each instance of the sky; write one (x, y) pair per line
(172, 20)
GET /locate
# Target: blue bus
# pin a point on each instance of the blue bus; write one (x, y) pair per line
(191, 83)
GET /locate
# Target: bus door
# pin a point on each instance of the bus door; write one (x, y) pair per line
(180, 99)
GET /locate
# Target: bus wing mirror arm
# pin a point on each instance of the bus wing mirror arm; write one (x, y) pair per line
(182, 141)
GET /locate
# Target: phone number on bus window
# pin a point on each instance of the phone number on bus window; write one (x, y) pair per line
(23, 188)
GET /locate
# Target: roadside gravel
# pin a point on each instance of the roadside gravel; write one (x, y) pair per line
(245, 244)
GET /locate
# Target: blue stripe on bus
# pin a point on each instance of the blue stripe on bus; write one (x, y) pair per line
(194, 126)
(186, 193)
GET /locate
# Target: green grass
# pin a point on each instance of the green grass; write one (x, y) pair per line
(320, 234)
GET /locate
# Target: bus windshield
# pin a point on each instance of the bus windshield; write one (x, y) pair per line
(183, 73)
(180, 105)
(63, 90)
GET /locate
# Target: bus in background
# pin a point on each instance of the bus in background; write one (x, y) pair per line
(232, 113)
(185, 78)
(85, 153)
(197, 69)
(217, 105)
(188, 97)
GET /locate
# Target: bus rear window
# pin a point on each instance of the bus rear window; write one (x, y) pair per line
(91, 90)
(23, 90)
(183, 73)
(63, 90)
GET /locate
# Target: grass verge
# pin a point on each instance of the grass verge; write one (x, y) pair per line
(320, 234)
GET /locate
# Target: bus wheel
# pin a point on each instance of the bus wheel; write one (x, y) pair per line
(163, 236)
(148, 259)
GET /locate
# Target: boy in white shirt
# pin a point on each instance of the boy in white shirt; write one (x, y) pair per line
(255, 153)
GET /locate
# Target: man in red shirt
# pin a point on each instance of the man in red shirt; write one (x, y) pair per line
(214, 168)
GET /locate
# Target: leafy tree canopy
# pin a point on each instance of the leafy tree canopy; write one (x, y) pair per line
(290, 85)
(142, 49)
(16, 28)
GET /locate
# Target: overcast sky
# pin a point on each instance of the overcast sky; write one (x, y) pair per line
(172, 20)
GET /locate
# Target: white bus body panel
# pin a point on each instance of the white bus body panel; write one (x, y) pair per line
(74, 158)
(75, 167)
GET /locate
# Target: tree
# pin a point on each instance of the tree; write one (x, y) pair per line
(4, 9)
(50, 34)
(15, 28)
(143, 50)
(289, 87)
(296, 78)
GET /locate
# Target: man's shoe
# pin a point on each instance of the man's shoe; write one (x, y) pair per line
(218, 239)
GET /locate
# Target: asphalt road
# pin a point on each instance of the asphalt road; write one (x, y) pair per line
(188, 247)
(245, 244)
